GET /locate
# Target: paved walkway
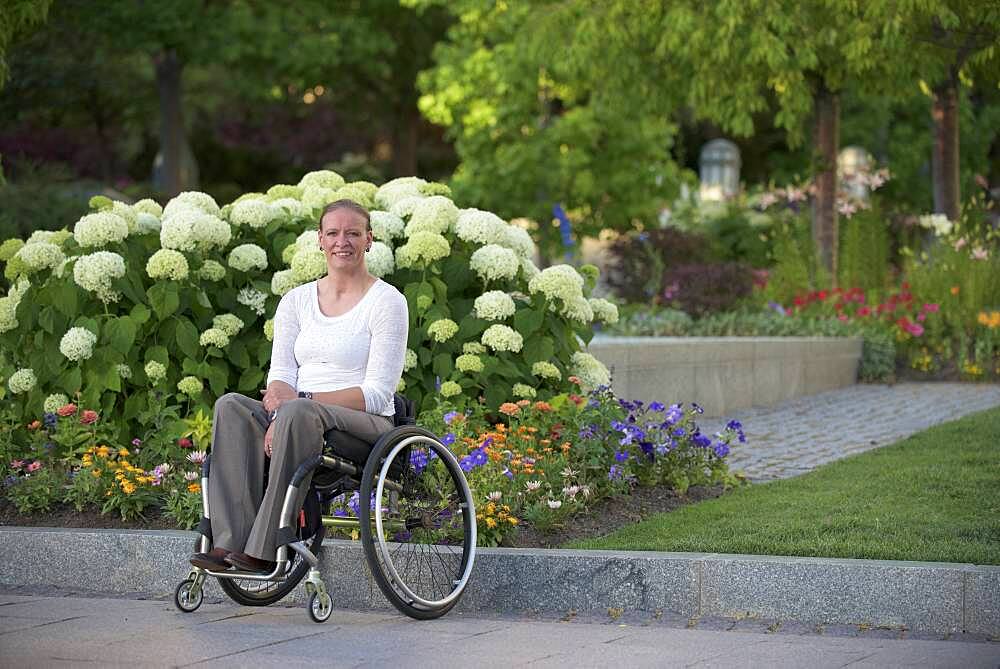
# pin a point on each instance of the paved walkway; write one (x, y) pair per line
(800, 435)
(38, 631)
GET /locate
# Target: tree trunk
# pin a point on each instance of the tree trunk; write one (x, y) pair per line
(826, 141)
(944, 161)
(404, 150)
(170, 173)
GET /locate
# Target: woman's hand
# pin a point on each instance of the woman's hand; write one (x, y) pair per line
(268, 438)
(276, 394)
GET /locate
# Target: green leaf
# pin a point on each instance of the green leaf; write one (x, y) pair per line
(70, 380)
(140, 313)
(133, 405)
(526, 321)
(159, 354)
(121, 334)
(46, 318)
(187, 338)
(537, 349)
(442, 365)
(250, 380)
(217, 374)
(203, 300)
(64, 298)
(164, 298)
(238, 354)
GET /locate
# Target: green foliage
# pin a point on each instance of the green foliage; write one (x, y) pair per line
(184, 507)
(878, 355)
(18, 16)
(794, 261)
(864, 251)
(41, 198)
(37, 491)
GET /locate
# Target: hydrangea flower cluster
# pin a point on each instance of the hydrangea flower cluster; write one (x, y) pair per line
(409, 360)
(95, 273)
(230, 324)
(54, 401)
(442, 330)
(22, 381)
(494, 263)
(78, 344)
(546, 370)
(503, 338)
(254, 213)
(386, 226)
(9, 304)
(214, 337)
(155, 371)
(480, 227)
(246, 257)
(379, 260)
(252, 298)
(40, 255)
(591, 371)
(100, 229)
(469, 363)
(190, 386)
(432, 214)
(167, 264)
(211, 270)
(494, 305)
(422, 248)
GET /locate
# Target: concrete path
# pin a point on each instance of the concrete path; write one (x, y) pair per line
(39, 631)
(802, 434)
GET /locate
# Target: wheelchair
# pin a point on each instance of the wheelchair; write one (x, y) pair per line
(418, 529)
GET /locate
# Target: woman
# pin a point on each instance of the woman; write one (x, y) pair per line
(336, 359)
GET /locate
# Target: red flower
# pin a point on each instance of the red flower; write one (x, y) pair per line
(821, 294)
(931, 307)
(66, 410)
(184, 442)
(843, 317)
(34, 466)
(88, 417)
(34, 425)
(864, 311)
(575, 399)
(799, 301)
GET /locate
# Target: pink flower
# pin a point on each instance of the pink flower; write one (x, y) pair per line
(34, 466)
(66, 410)
(16, 464)
(137, 442)
(931, 307)
(921, 316)
(184, 442)
(847, 209)
(979, 253)
(842, 317)
(960, 243)
(767, 199)
(795, 194)
(88, 417)
(915, 329)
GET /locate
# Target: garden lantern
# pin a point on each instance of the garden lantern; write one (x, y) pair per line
(853, 166)
(719, 169)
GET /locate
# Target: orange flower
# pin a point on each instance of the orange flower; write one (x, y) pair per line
(575, 399)
(194, 487)
(545, 442)
(543, 406)
(88, 417)
(574, 379)
(523, 403)
(565, 446)
(532, 429)
(521, 430)
(34, 425)
(509, 409)
(954, 290)
(500, 427)
(66, 410)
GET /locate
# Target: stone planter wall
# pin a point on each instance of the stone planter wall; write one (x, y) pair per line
(727, 373)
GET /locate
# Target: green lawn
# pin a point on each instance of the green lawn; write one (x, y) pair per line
(933, 497)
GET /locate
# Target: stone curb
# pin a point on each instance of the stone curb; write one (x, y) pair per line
(927, 596)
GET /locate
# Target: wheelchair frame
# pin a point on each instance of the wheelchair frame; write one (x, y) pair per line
(189, 593)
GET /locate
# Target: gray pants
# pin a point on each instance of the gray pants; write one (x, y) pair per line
(245, 517)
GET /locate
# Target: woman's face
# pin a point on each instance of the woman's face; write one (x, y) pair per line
(344, 237)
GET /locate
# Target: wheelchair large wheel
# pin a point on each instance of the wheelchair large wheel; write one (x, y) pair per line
(263, 593)
(420, 543)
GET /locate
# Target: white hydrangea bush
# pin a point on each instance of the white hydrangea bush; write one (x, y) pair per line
(176, 299)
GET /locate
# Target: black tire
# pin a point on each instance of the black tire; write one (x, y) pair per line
(182, 596)
(264, 593)
(320, 607)
(433, 540)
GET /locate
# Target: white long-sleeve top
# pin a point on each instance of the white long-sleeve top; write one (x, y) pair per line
(364, 347)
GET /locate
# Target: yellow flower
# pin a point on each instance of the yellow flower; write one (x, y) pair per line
(512, 520)
(124, 464)
(490, 523)
(123, 452)
(194, 487)
(128, 487)
(103, 451)
(96, 473)
(87, 459)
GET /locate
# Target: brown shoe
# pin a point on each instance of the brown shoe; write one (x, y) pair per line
(245, 562)
(214, 560)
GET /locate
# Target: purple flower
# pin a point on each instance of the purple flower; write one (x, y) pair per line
(657, 406)
(466, 464)
(137, 442)
(488, 441)
(418, 460)
(615, 473)
(450, 416)
(508, 473)
(621, 456)
(478, 457)
(697, 408)
(437, 383)
(679, 432)
(734, 425)
(340, 513)
(588, 432)
(701, 440)
(9, 481)
(721, 449)
(50, 420)
(778, 308)
(647, 448)
(448, 439)
(355, 503)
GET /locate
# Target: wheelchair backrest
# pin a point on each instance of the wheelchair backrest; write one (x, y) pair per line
(405, 411)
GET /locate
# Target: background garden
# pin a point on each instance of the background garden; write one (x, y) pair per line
(163, 165)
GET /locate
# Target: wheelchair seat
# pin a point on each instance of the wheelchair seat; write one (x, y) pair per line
(356, 450)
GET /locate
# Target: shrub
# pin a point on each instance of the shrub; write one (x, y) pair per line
(146, 313)
(699, 289)
(638, 260)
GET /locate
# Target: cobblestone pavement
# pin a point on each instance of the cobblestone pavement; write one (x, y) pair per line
(800, 435)
(44, 631)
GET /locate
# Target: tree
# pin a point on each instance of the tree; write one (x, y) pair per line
(951, 41)
(534, 128)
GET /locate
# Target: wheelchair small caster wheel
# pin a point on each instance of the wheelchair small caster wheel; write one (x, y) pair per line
(186, 597)
(320, 607)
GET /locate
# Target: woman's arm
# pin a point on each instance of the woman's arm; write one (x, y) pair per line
(390, 328)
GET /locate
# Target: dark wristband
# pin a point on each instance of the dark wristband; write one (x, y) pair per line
(306, 394)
